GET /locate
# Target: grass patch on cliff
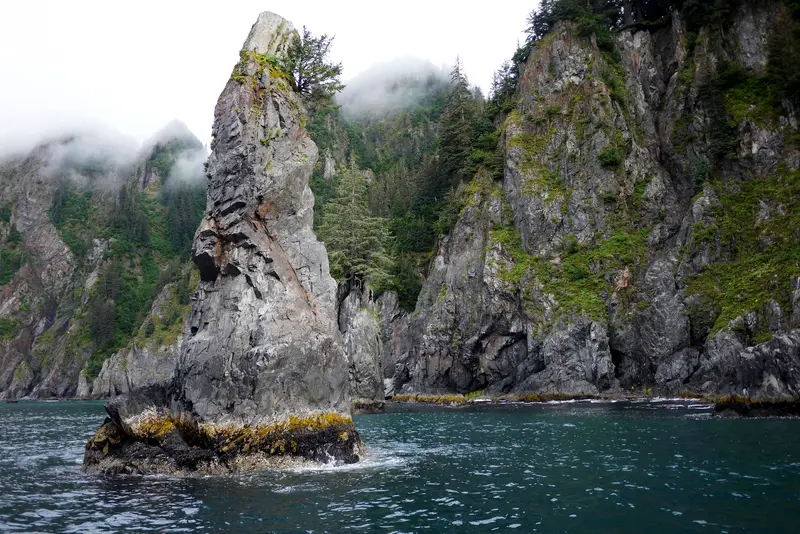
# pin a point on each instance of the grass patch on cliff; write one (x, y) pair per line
(747, 96)
(610, 157)
(538, 178)
(11, 256)
(166, 327)
(732, 96)
(762, 255)
(8, 328)
(581, 278)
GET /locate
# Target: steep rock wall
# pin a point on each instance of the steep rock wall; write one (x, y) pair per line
(362, 345)
(52, 262)
(608, 257)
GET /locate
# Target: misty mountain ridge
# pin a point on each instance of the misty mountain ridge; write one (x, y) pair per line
(386, 88)
(98, 155)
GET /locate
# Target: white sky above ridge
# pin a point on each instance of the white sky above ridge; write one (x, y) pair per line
(135, 66)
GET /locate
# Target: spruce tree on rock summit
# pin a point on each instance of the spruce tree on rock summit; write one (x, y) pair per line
(312, 73)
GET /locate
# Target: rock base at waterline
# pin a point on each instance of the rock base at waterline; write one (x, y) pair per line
(744, 407)
(368, 406)
(179, 446)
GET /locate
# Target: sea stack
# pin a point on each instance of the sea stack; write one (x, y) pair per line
(262, 375)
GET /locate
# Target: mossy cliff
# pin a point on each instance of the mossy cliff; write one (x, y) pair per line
(262, 370)
(644, 233)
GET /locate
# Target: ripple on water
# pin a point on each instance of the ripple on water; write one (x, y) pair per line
(566, 466)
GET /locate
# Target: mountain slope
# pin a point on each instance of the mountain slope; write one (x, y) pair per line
(94, 231)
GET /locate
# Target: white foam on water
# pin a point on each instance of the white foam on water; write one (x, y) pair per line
(489, 521)
(373, 459)
(706, 415)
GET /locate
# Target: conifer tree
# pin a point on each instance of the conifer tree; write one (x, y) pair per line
(313, 75)
(357, 243)
(457, 132)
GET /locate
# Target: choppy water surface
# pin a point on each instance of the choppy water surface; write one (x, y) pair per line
(579, 467)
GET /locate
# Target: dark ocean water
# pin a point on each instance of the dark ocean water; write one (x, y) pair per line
(573, 467)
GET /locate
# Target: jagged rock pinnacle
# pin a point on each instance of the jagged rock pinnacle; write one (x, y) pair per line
(262, 371)
(271, 34)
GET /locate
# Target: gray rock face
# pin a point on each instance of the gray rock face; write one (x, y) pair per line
(676, 369)
(263, 342)
(471, 330)
(29, 299)
(263, 347)
(575, 359)
(49, 299)
(148, 362)
(575, 273)
(271, 34)
(362, 345)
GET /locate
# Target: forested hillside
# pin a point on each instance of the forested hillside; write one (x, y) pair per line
(117, 225)
(415, 137)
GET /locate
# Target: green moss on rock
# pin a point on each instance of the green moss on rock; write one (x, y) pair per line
(758, 226)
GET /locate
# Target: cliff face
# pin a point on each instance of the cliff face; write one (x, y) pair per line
(150, 359)
(358, 322)
(262, 371)
(264, 317)
(644, 233)
(30, 289)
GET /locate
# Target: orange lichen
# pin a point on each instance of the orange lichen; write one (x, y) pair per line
(432, 399)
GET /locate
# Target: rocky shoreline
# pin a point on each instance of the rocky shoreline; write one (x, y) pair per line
(176, 445)
(723, 406)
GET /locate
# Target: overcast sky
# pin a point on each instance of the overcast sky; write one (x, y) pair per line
(136, 65)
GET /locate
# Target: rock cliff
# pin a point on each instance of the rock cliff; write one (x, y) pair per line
(643, 235)
(262, 373)
(359, 325)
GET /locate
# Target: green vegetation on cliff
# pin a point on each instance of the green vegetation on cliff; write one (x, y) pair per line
(757, 226)
(11, 255)
(147, 234)
(8, 328)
